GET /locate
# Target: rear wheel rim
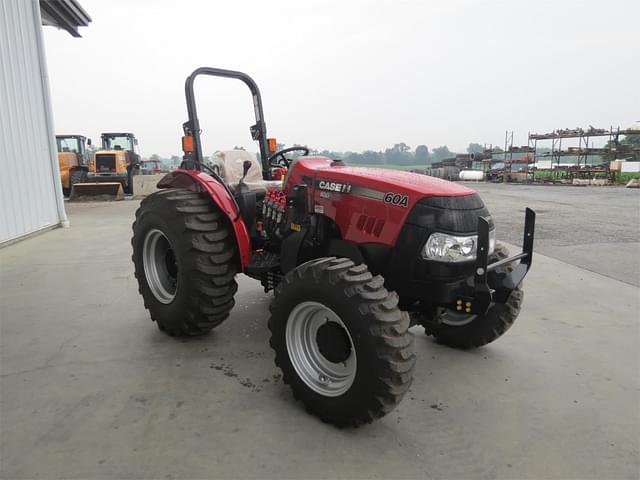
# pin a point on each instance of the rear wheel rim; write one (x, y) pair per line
(323, 376)
(160, 267)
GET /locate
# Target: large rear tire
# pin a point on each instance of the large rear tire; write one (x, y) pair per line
(185, 260)
(77, 176)
(341, 341)
(470, 331)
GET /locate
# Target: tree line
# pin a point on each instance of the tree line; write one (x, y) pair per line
(398, 154)
(628, 147)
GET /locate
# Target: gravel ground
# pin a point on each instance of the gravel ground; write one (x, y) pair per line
(596, 228)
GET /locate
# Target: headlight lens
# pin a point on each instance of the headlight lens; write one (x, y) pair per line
(450, 248)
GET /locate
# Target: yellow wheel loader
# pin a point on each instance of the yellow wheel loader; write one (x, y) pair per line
(112, 167)
(72, 159)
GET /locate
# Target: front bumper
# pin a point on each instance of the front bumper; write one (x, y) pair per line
(489, 285)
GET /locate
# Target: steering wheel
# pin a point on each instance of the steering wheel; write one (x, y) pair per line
(284, 160)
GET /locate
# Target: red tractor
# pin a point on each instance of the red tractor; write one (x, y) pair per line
(356, 256)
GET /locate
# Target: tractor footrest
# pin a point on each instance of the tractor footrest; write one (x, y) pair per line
(263, 262)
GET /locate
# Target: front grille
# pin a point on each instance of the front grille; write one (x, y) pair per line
(449, 214)
(105, 162)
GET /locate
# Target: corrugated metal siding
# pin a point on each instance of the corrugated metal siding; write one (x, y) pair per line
(28, 197)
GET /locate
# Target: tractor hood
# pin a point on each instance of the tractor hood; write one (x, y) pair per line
(376, 179)
(369, 205)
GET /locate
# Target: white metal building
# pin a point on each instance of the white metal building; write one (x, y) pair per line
(30, 191)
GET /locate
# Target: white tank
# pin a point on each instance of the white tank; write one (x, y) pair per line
(471, 175)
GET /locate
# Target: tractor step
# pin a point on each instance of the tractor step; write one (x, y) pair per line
(263, 262)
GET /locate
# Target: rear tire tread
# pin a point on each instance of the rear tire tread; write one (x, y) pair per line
(212, 260)
(77, 176)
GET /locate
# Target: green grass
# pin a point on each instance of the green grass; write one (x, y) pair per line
(620, 178)
(626, 176)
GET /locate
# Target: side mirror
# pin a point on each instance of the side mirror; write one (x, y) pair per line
(135, 141)
(89, 141)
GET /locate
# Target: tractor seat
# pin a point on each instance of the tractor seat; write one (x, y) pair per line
(232, 165)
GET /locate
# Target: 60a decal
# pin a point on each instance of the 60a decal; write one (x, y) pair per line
(396, 199)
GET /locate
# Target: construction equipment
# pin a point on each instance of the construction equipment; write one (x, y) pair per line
(117, 161)
(72, 160)
(151, 167)
(97, 191)
(355, 256)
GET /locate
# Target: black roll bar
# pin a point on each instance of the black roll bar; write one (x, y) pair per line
(192, 126)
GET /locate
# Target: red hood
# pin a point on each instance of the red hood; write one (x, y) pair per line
(382, 179)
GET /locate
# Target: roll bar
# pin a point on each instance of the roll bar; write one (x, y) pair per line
(192, 126)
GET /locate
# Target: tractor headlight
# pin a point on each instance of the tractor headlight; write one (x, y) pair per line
(443, 247)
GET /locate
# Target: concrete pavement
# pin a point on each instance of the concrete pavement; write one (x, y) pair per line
(89, 388)
(597, 228)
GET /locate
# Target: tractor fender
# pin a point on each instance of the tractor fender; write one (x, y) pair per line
(202, 182)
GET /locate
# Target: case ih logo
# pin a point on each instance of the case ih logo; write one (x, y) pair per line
(334, 186)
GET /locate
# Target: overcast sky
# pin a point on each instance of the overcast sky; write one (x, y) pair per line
(349, 75)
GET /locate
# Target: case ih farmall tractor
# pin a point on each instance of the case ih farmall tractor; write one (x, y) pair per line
(356, 256)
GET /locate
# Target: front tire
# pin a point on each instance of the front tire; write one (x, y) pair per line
(185, 260)
(470, 331)
(341, 341)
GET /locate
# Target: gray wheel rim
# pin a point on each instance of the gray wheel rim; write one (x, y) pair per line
(161, 282)
(317, 372)
(455, 319)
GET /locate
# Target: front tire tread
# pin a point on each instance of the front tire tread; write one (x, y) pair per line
(381, 319)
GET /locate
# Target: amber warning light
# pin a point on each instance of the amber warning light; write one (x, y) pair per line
(187, 144)
(273, 145)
